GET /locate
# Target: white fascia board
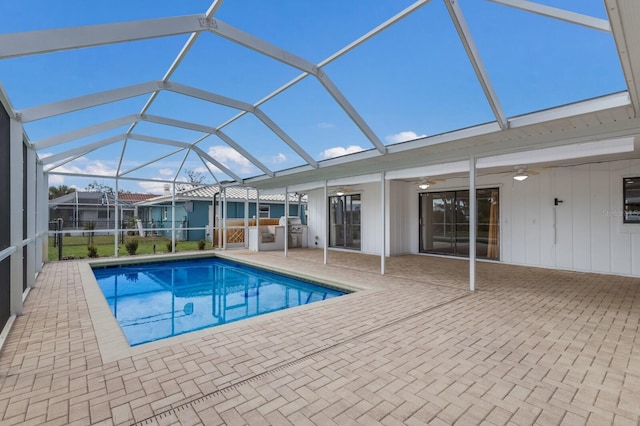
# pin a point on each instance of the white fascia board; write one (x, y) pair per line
(254, 43)
(355, 180)
(150, 162)
(306, 187)
(88, 101)
(558, 153)
(556, 13)
(86, 131)
(45, 41)
(162, 141)
(226, 138)
(284, 136)
(178, 123)
(81, 149)
(216, 163)
(351, 111)
(566, 111)
(433, 170)
(474, 57)
(208, 96)
(469, 132)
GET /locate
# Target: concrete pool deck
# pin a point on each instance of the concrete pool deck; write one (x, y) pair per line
(413, 347)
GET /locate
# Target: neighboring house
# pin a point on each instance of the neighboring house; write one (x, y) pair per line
(78, 209)
(195, 210)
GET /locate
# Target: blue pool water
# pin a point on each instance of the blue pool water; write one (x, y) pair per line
(154, 301)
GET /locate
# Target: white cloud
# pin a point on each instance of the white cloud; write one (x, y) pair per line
(91, 167)
(403, 137)
(279, 158)
(325, 125)
(165, 172)
(231, 159)
(339, 151)
(55, 180)
(152, 187)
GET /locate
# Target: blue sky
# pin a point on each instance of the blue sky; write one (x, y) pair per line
(412, 80)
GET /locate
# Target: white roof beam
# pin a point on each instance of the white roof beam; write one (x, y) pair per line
(84, 149)
(216, 163)
(62, 163)
(472, 52)
(623, 17)
(398, 17)
(86, 131)
(243, 151)
(556, 13)
(150, 162)
(88, 101)
(208, 96)
(91, 175)
(210, 131)
(178, 60)
(186, 155)
(254, 43)
(351, 112)
(285, 137)
(178, 123)
(45, 41)
(209, 168)
(153, 139)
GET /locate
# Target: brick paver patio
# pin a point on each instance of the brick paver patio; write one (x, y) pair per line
(531, 346)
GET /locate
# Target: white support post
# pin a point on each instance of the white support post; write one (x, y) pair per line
(286, 221)
(326, 222)
(40, 199)
(258, 219)
(31, 218)
(246, 220)
(44, 214)
(472, 223)
(224, 219)
(173, 218)
(16, 186)
(219, 213)
(383, 202)
(115, 223)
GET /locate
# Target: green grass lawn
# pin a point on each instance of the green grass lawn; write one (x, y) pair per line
(76, 246)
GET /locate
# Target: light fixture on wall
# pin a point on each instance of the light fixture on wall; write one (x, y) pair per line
(520, 173)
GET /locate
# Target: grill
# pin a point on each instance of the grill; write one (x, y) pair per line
(295, 228)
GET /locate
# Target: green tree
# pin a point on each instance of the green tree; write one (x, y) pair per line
(59, 191)
(105, 189)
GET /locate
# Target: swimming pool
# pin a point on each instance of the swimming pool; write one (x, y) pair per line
(154, 301)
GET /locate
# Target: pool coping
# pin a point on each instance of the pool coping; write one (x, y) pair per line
(113, 344)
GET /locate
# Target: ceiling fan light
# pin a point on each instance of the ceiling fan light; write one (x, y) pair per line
(340, 192)
(521, 176)
(424, 185)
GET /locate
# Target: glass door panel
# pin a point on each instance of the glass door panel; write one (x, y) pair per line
(444, 223)
(345, 221)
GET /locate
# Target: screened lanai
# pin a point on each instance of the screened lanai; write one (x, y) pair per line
(313, 98)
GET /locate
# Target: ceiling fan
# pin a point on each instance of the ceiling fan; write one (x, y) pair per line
(426, 182)
(522, 172)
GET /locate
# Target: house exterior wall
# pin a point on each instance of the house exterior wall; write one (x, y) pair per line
(588, 234)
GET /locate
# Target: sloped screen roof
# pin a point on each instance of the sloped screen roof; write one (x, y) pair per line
(239, 89)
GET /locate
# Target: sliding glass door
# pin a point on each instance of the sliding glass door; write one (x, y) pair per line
(444, 223)
(344, 221)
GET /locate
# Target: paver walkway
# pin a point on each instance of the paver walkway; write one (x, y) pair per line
(531, 346)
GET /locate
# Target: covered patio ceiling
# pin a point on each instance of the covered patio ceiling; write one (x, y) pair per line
(277, 94)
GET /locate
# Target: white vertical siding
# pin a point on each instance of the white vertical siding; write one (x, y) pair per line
(599, 205)
(584, 233)
(581, 217)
